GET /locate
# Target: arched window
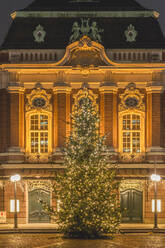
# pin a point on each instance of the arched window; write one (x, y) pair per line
(131, 133)
(131, 136)
(39, 133)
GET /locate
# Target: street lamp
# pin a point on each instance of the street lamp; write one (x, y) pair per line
(155, 178)
(15, 179)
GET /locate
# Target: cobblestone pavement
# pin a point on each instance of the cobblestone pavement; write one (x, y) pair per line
(56, 241)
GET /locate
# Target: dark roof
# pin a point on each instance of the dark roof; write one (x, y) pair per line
(84, 5)
(58, 31)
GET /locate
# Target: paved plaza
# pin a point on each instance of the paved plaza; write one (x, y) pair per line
(56, 241)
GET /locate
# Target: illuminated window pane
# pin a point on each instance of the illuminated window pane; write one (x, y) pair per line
(34, 122)
(44, 122)
(131, 138)
(34, 142)
(39, 133)
(44, 142)
(126, 122)
(158, 205)
(12, 206)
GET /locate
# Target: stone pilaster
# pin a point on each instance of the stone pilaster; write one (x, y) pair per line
(61, 116)
(108, 113)
(16, 124)
(155, 151)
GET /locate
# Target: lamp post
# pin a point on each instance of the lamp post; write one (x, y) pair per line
(15, 179)
(155, 178)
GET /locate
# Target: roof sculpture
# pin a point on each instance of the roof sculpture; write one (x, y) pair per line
(116, 24)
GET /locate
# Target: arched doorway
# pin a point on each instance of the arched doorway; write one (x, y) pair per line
(131, 201)
(37, 213)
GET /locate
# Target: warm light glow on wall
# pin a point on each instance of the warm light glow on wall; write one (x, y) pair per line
(58, 205)
(158, 205)
(12, 206)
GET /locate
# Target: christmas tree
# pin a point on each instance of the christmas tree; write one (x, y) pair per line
(87, 189)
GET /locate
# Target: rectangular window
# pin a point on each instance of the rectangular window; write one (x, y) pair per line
(131, 133)
(158, 205)
(39, 133)
(12, 206)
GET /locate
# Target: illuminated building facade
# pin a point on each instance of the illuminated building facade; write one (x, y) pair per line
(52, 51)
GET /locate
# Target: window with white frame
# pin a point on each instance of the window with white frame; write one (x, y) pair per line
(39, 133)
(131, 132)
(12, 206)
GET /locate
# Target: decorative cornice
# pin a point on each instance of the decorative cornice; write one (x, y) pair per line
(80, 14)
(62, 89)
(155, 89)
(15, 89)
(85, 48)
(108, 89)
(131, 99)
(38, 94)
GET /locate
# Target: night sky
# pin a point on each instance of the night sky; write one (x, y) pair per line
(8, 6)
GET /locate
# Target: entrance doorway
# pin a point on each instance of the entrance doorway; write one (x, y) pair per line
(37, 213)
(131, 205)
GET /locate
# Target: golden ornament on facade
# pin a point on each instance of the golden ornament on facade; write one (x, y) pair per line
(131, 99)
(39, 184)
(85, 93)
(132, 184)
(38, 99)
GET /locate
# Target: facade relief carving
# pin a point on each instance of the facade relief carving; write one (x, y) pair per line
(39, 34)
(83, 93)
(132, 184)
(131, 33)
(131, 99)
(38, 126)
(37, 158)
(132, 158)
(39, 100)
(39, 184)
(131, 130)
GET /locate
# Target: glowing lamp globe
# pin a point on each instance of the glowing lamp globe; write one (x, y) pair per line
(155, 178)
(15, 178)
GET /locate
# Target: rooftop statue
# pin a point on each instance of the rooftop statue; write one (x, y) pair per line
(91, 31)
